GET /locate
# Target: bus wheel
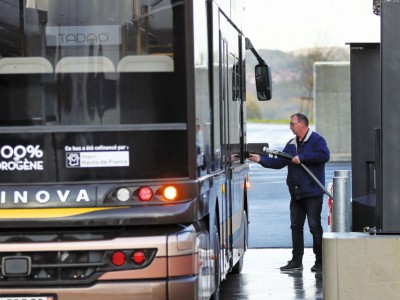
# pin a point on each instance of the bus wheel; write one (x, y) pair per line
(238, 267)
(217, 262)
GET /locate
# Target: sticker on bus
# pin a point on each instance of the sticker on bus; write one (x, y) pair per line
(99, 156)
(97, 159)
(21, 158)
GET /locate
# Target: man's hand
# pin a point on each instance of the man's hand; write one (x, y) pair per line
(235, 157)
(296, 160)
(255, 157)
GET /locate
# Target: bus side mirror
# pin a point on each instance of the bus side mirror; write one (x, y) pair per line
(263, 82)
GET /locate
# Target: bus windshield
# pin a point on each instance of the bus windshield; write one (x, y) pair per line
(91, 62)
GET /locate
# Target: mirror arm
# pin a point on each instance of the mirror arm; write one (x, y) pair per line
(249, 46)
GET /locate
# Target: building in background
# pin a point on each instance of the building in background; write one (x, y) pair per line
(332, 107)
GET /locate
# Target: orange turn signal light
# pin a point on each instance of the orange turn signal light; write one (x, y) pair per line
(170, 193)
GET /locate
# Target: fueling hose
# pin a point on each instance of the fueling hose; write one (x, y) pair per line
(288, 156)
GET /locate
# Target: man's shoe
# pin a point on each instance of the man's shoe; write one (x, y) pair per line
(317, 267)
(292, 265)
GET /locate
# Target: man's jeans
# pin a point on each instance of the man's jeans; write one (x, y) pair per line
(299, 210)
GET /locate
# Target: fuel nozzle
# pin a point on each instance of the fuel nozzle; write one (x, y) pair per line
(277, 153)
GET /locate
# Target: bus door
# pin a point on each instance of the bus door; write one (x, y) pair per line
(239, 169)
(224, 119)
(230, 106)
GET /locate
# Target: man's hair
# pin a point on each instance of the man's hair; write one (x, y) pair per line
(301, 118)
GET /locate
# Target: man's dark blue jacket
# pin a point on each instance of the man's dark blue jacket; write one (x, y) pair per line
(313, 153)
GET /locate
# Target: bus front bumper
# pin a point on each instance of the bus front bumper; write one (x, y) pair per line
(144, 290)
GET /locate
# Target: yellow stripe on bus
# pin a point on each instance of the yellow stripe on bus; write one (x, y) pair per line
(42, 213)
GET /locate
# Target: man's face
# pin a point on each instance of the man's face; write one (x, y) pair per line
(295, 125)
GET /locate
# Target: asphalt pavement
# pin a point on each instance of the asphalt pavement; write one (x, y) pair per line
(262, 279)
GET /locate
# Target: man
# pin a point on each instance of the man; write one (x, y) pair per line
(310, 149)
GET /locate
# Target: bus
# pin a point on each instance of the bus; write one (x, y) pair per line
(123, 148)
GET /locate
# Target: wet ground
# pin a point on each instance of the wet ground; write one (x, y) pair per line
(262, 279)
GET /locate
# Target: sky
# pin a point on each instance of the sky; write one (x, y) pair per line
(288, 25)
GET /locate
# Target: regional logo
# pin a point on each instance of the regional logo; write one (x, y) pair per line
(73, 160)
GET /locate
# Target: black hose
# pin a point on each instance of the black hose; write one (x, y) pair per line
(288, 156)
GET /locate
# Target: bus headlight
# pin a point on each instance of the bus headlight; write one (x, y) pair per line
(123, 194)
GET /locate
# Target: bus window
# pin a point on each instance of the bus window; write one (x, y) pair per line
(92, 62)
